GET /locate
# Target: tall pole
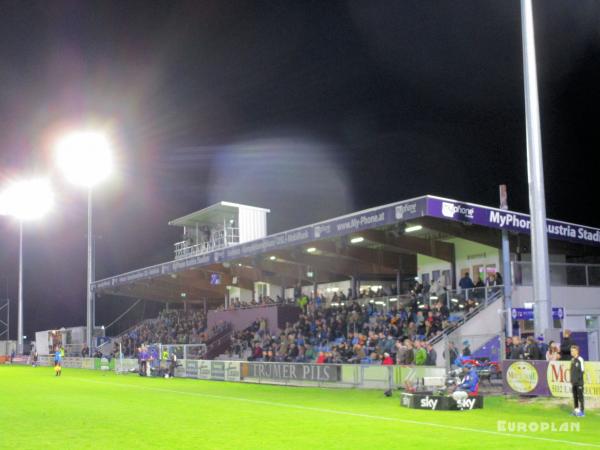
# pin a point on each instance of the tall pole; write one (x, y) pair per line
(20, 313)
(90, 276)
(535, 172)
(506, 269)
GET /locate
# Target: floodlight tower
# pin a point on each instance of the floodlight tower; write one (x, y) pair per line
(25, 200)
(85, 158)
(543, 322)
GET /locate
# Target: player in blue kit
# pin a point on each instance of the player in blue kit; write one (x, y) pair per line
(58, 363)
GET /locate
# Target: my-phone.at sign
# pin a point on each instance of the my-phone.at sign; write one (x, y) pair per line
(527, 313)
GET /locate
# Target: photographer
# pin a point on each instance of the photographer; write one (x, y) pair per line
(469, 385)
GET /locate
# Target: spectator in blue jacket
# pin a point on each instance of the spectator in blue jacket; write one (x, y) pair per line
(466, 282)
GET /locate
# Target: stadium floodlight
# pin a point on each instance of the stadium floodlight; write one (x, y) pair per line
(413, 228)
(311, 249)
(25, 200)
(272, 258)
(357, 240)
(85, 158)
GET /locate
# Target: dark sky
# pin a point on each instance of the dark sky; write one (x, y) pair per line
(310, 108)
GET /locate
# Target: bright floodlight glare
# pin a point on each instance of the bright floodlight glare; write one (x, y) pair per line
(27, 200)
(357, 240)
(84, 157)
(311, 249)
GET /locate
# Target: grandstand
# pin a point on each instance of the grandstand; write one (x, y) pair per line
(407, 255)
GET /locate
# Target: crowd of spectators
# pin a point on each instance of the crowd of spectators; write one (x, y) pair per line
(171, 327)
(348, 333)
(531, 348)
(303, 299)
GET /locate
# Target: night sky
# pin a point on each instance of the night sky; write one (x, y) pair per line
(312, 109)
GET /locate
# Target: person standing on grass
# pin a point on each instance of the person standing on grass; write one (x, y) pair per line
(57, 363)
(577, 371)
(172, 364)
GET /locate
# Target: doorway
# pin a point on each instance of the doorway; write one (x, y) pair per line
(478, 272)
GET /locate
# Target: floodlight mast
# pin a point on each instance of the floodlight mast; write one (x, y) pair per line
(85, 157)
(535, 170)
(90, 322)
(20, 295)
(25, 200)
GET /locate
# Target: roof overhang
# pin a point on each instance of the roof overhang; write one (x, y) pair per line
(213, 214)
(386, 247)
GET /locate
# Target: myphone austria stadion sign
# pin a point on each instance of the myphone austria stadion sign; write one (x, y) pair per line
(508, 220)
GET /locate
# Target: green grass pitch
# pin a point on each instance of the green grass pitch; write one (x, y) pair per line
(97, 410)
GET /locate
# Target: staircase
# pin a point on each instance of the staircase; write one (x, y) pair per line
(476, 326)
(218, 343)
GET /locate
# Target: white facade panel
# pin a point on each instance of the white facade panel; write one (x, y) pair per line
(252, 224)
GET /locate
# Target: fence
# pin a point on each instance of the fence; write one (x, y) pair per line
(219, 239)
(290, 374)
(183, 351)
(486, 348)
(304, 374)
(467, 306)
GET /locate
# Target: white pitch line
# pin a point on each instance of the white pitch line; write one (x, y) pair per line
(345, 413)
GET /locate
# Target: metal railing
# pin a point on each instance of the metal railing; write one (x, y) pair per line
(219, 239)
(470, 302)
(457, 300)
(183, 351)
(382, 304)
(463, 300)
(253, 306)
(561, 274)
